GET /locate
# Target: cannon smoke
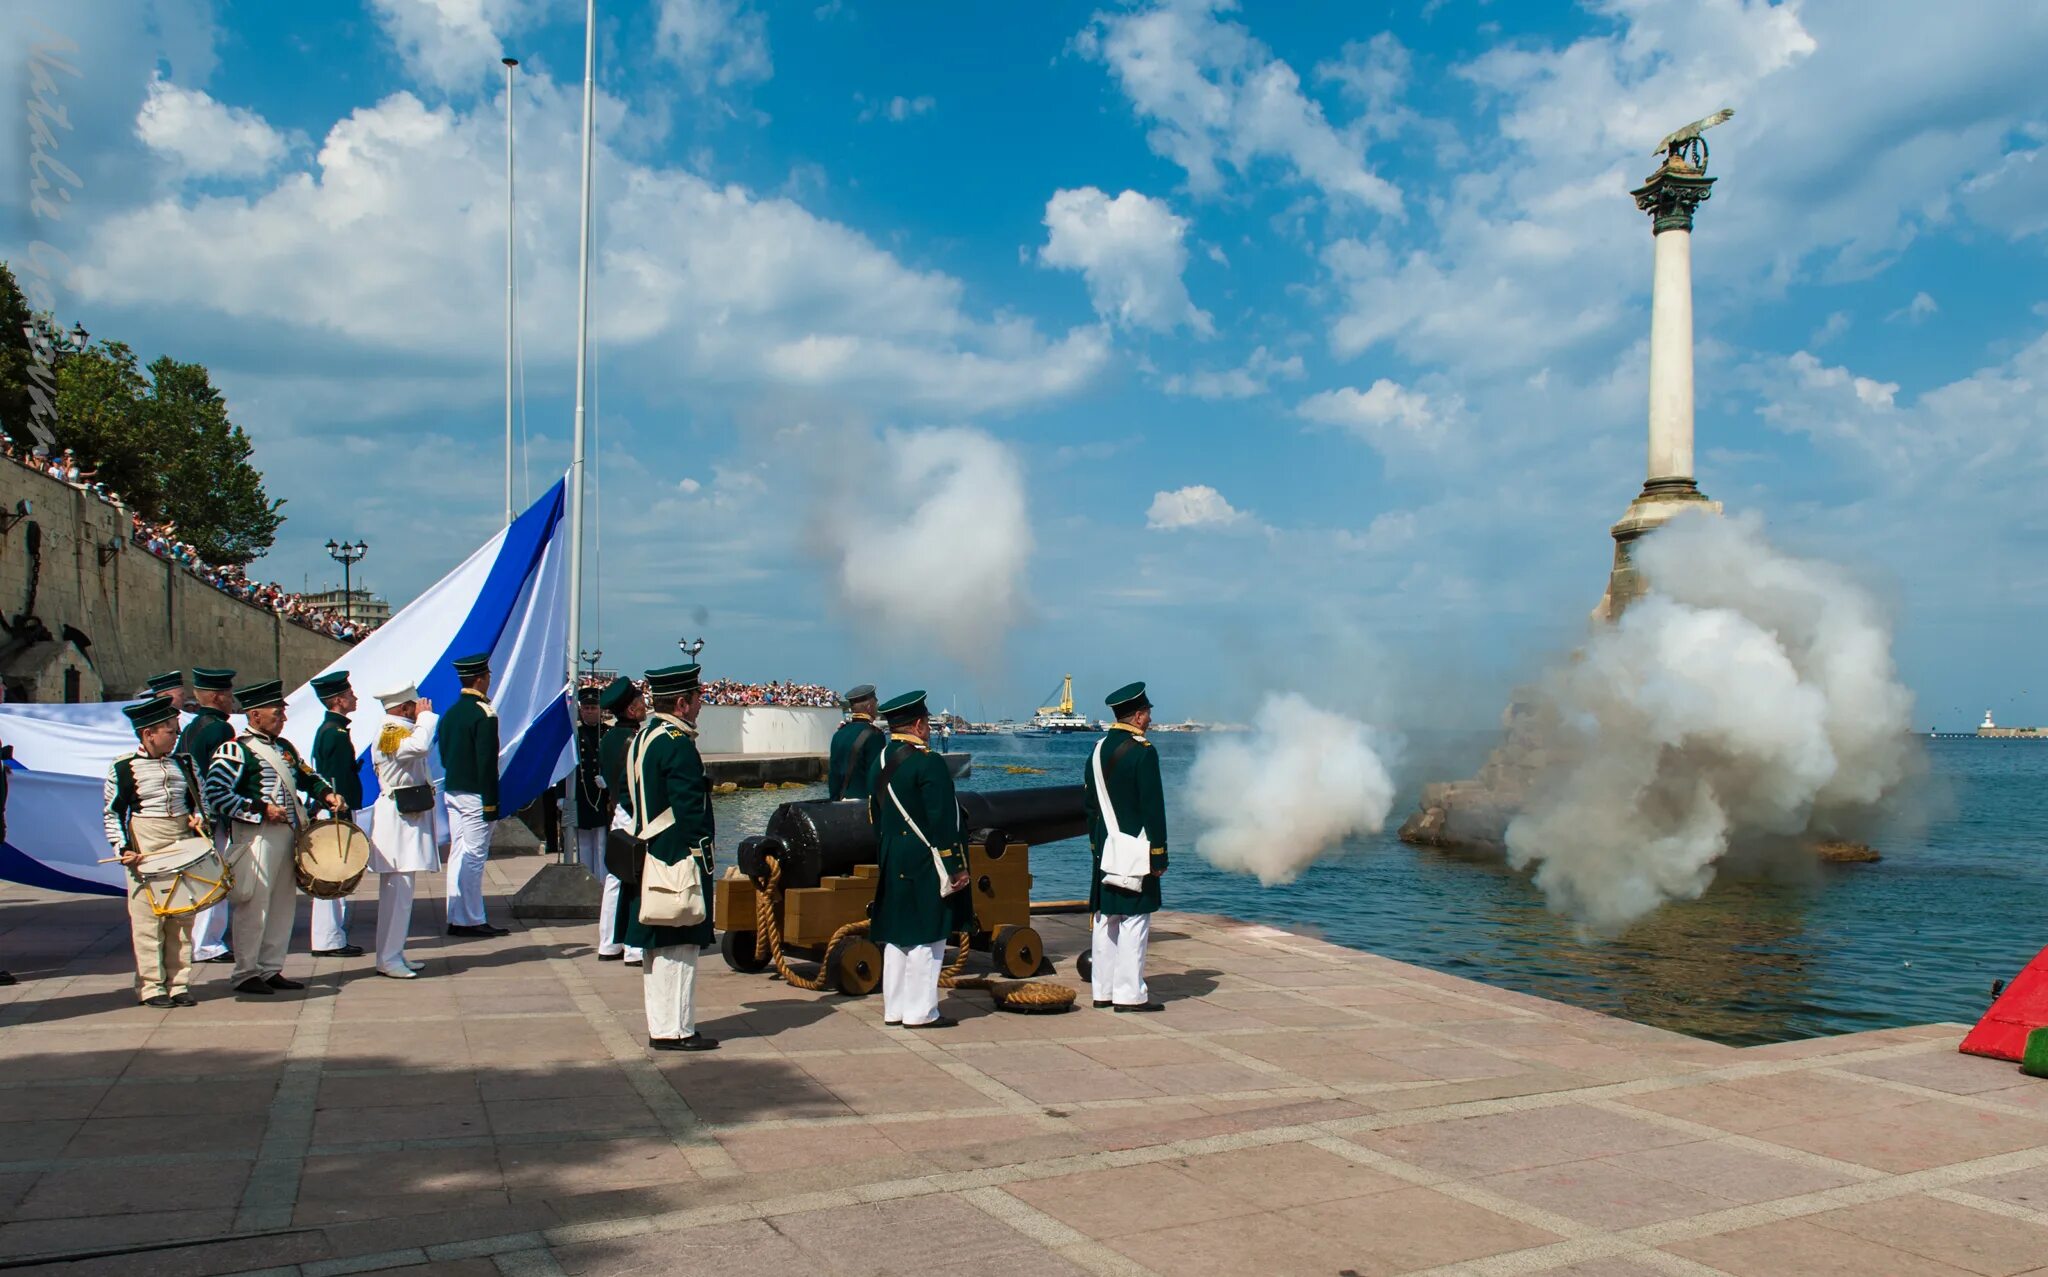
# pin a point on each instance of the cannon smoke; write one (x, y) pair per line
(1749, 700)
(1303, 781)
(926, 536)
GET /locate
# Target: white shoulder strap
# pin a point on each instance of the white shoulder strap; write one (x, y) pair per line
(644, 829)
(1109, 820)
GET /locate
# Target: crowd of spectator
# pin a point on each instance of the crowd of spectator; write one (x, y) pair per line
(161, 539)
(725, 691)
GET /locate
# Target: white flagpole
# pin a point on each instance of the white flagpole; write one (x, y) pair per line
(582, 384)
(510, 300)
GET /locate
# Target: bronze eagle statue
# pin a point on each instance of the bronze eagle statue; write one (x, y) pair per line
(1675, 143)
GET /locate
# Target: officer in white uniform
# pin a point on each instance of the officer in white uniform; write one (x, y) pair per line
(401, 841)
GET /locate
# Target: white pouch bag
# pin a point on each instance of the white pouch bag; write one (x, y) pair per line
(670, 895)
(1126, 858)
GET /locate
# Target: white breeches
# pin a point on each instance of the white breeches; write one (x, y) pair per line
(1118, 953)
(330, 923)
(210, 925)
(469, 846)
(590, 850)
(264, 896)
(394, 919)
(668, 986)
(910, 982)
(608, 921)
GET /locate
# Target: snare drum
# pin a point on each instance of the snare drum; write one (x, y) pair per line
(330, 857)
(184, 877)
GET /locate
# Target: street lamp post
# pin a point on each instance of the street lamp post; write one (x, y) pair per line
(346, 555)
(690, 647)
(590, 656)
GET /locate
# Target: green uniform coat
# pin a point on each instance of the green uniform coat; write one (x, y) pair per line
(334, 757)
(611, 754)
(672, 778)
(908, 908)
(593, 800)
(1130, 767)
(852, 761)
(468, 741)
(203, 737)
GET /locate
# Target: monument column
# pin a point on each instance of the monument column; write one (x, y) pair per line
(1671, 195)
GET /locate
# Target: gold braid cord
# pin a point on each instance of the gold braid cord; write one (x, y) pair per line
(1019, 995)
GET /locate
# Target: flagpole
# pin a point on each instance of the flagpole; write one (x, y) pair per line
(582, 384)
(510, 300)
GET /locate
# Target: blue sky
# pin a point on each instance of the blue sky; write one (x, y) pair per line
(964, 346)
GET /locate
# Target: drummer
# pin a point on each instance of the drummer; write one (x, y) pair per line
(152, 801)
(402, 842)
(254, 782)
(334, 757)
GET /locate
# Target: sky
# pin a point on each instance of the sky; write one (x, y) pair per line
(1238, 349)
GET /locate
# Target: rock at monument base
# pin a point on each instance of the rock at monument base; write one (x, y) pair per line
(558, 891)
(1840, 851)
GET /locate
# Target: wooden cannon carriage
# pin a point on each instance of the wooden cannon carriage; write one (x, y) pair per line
(815, 869)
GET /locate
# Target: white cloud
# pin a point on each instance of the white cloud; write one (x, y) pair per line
(390, 240)
(1253, 377)
(205, 137)
(1921, 308)
(1831, 329)
(1814, 375)
(453, 45)
(1374, 73)
(1216, 96)
(1195, 506)
(896, 109)
(1131, 250)
(2013, 196)
(721, 42)
(1389, 416)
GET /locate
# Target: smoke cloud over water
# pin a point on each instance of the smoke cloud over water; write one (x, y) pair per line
(1304, 780)
(926, 536)
(1749, 702)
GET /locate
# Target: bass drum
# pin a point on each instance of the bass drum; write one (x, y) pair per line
(330, 858)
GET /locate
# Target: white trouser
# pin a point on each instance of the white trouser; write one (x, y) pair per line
(210, 925)
(668, 986)
(910, 982)
(469, 846)
(394, 919)
(608, 908)
(330, 923)
(263, 896)
(1118, 953)
(590, 850)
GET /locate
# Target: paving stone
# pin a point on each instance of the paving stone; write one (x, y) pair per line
(1413, 1228)
(1806, 1248)
(1968, 1238)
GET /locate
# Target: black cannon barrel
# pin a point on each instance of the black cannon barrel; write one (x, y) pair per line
(822, 838)
(1039, 814)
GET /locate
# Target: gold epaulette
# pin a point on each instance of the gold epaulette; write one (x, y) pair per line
(390, 738)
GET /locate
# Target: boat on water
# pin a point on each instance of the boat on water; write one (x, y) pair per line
(1059, 718)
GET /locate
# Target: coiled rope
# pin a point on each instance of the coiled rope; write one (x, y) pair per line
(1009, 995)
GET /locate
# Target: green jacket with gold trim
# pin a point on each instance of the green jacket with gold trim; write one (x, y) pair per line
(908, 908)
(1130, 767)
(468, 741)
(672, 779)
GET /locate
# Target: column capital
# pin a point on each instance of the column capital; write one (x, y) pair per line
(1671, 195)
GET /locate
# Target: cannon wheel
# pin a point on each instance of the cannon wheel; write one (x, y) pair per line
(1084, 966)
(1016, 951)
(737, 947)
(855, 966)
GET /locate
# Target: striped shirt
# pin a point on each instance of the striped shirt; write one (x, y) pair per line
(138, 785)
(238, 783)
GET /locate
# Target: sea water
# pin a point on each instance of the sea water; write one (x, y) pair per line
(1959, 901)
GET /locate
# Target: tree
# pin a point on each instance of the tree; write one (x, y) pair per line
(162, 441)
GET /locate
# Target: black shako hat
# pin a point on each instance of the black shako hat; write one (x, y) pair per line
(672, 680)
(1128, 699)
(468, 667)
(259, 695)
(331, 684)
(206, 680)
(166, 682)
(905, 709)
(157, 709)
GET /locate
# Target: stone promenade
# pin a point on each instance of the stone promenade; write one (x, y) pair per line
(1299, 1108)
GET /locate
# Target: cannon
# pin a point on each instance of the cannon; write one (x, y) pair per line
(821, 856)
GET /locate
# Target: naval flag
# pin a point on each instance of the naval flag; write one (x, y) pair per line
(510, 598)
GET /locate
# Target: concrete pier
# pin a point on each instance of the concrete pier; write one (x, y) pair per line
(1298, 1108)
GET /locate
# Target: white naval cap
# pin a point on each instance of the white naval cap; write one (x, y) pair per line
(389, 700)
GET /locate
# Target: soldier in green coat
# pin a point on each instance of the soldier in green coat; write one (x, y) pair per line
(468, 741)
(213, 700)
(1123, 916)
(854, 746)
(621, 699)
(917, 821)
(334, 757)
(672, 802)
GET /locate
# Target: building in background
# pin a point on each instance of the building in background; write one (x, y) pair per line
(359, 606)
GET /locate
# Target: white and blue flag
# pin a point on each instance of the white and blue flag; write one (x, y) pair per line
(510, 598)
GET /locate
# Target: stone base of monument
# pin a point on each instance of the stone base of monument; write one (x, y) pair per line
(559, 892)
(1660, 501)
(512, 837)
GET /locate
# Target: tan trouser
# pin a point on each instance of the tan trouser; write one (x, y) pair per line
(163, 946)
(263, 896)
